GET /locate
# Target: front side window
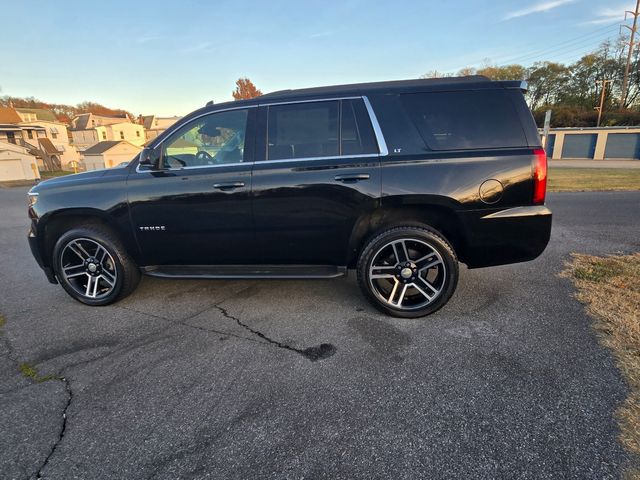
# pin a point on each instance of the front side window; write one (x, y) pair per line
(215, 139)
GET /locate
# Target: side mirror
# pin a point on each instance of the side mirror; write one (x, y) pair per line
(148, 159)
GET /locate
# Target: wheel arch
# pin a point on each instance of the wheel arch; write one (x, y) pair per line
(55, 224)
(413, 210)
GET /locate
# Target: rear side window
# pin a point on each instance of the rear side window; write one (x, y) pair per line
(465, 120)
(303, 130)
(356, 134)
(320, 129)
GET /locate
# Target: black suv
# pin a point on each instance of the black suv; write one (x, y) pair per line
(399, 180)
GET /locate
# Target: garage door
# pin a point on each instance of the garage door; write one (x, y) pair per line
(579, 145)
(622, 145)
(11, 170)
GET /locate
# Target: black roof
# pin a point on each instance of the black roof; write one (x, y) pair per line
(101, 147)
(357, 89)
(472, 82)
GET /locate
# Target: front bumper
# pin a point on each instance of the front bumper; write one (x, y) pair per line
(35, 251)
(506, 236)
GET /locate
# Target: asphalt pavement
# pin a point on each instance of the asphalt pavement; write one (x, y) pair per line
(303, 379)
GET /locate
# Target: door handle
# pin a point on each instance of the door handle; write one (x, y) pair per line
(228, 185)
(353, 177)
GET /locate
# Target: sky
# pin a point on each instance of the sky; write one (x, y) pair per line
(171, 57)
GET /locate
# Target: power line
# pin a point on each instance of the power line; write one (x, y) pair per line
(508, 58)
(596, 34)
(555, 53)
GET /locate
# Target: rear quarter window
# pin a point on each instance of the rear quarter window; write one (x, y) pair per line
(465, 120)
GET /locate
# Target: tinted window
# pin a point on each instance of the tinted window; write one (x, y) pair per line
(357, 137)
(212, 140)
(465, 120)
(303, 130)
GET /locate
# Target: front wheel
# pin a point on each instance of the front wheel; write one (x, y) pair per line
(408, 271)
(93, 267)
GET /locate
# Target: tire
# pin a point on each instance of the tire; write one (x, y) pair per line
(104, 272)
(408, 272)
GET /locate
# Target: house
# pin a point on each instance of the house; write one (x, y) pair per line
(16, 163)
(35, 114)
(154, 126)
(88, 129)
(87, 121)
(42, 134)
(12, 133)
(57, 142)
(108, 154)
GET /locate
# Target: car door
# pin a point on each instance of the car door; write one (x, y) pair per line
(317, 170)
(196, 209)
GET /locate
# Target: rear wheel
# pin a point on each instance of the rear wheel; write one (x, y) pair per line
(93, 267)
(408, 271)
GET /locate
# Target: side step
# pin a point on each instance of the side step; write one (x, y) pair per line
(245, 271)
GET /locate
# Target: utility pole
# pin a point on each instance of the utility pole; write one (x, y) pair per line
(625, 81)
(604, 89)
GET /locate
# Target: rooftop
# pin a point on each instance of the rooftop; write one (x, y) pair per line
(102, 147)
(476, 82)
(40, 113)
(9, 115)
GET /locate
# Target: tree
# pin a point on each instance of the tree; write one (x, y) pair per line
(436, 74)
(507, 72)
(547, 81)
(245, 89)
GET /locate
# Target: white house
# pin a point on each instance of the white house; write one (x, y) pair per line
(127, 131)
(89, 129)
(58, 143)
(154, 126)
(16, 163)
(108, 154)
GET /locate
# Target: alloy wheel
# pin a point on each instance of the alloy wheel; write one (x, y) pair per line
(407, 274)
(88, 268)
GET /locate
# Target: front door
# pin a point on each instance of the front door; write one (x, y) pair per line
(195, 209)
(315, 174)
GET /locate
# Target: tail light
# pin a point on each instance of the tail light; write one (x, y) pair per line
(539, 176)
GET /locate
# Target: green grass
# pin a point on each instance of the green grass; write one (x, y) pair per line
(31, 372)
(54, 173)
(593, 179)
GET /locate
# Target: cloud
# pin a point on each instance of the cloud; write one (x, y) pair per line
(610, 15)
(328, 33)
(536, 8)
(197, 47)
(147, 38)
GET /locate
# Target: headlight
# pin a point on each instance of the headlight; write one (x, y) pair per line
(33, 198)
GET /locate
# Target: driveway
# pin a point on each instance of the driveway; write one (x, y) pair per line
(228, 379)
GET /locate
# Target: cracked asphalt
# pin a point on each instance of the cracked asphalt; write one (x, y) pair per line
(303, 379)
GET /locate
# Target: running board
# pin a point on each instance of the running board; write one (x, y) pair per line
(245, 271)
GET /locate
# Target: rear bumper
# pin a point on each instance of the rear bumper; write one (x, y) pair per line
(506, 236)
(35, 251)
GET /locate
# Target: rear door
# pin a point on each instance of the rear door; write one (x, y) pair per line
(317, 170)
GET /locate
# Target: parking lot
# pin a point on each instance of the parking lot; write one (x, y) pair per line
(303, 379)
